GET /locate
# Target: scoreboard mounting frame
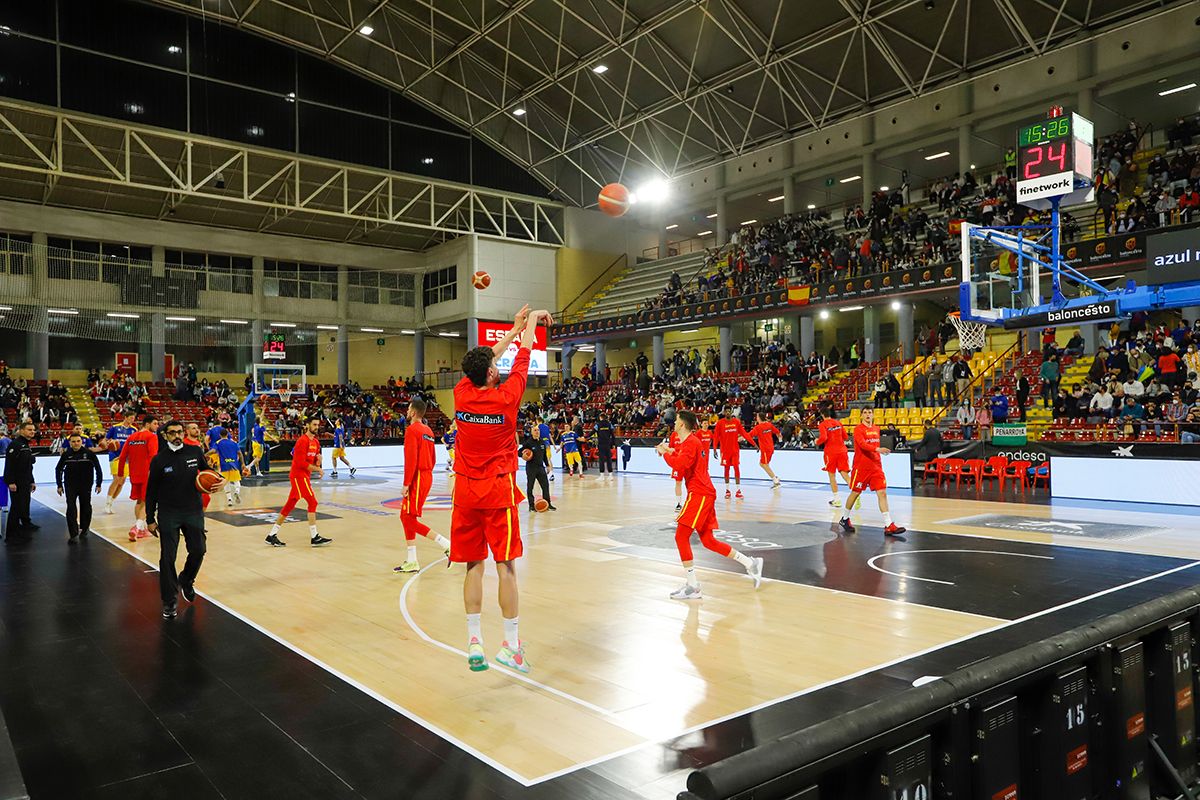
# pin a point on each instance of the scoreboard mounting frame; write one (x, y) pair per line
(274, 346)
(1054, 161)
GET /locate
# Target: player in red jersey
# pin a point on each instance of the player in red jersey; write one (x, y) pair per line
(486, 496)
(764, 435)
(193, 437)
(728, 432)
(699, 513)
(306, 462)
(832, 436)
(673, 442)
(134, 463)
(419, 460)
(705, 435)
(868, 474)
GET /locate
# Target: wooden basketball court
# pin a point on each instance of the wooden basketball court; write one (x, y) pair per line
(616, 664)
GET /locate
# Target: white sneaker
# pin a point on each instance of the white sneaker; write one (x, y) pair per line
(686, 592)
(777, 483)
(755, 571)
(835, 503)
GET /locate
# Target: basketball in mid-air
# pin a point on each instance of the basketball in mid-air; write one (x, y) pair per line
(614, 199)
(481, 280)
(209, 481)
(527, 454)
(540, 504)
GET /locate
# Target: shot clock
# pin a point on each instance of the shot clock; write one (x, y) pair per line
(1054, 159)
(274, 347)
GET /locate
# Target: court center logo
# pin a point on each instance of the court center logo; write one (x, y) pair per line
(1086, 529)
(742, 534)
(435, 502)
(249, 517)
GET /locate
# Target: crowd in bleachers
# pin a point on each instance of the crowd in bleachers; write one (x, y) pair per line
(45, 403)
(1167, 194)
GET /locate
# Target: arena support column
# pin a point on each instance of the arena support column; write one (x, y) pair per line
(870, 333)
(1091, 339)
(39, 331)
(419, 355)
(722, 220)
(568, 351)
(256, 343)
(343, 355)
(808, 335)
(659, 351)
(601, 361)
(472, 333)
(158, 346)
(789, 194)
(868, 178)
(726, 333)
(904, 329)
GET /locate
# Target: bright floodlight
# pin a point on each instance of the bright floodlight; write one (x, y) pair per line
(654, 191)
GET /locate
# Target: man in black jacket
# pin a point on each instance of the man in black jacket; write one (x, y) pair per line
(604, 444)
(76, 471)
(18, 474)
(535, 467)
(174, 508)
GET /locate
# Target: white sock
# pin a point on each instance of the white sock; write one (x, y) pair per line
(229, 492)
(312, 531)
(510, 633)
(887, 518)
(691, 578)
(442, 541)
(474, 628)
(140, 524)
(412, 552)
(741, 558)
(275, 529)
(108, 503)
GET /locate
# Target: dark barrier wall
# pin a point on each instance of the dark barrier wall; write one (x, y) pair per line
(1064, 695)
(11, 785)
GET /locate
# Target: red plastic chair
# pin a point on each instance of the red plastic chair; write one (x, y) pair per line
(971, 469)
(1015, 471)
(948, 468)
(1040, 472)
(994, 468)
(931, 469)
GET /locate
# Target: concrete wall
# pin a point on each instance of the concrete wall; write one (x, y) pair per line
(577, 275)
(592, 230)
(520, 274)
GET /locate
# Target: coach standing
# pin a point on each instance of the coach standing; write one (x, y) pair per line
(76, 468)
(173, 508)
(18, 474)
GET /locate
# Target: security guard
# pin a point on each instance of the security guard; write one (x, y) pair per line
(76, 471)
(18, 475)
(174, 508)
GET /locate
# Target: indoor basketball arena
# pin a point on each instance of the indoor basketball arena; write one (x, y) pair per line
(599, 399)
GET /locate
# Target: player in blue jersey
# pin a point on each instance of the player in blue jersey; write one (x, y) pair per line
(569, 444)
(448, 439)
(339, 448)
(229, 464)
(260, 452)
(544, 435)
(116, 437)
(215, 434)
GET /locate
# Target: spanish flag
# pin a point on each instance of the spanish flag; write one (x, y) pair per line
(798, 295)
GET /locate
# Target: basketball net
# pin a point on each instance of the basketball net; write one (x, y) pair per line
(971, 335)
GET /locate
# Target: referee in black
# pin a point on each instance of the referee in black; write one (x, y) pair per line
(535, 467)
(76, 471)
(18, 474)
(605, 442)
(173, 508)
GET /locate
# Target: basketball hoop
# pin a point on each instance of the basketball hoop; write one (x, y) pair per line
(284, 396)
(971, 335)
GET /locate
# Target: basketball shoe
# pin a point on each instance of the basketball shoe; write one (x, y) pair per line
(686, 592)
(408, 566)
(893, 530)
(514, 659)
(476, 658)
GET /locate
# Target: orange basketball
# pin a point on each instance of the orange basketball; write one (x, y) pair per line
(481, 280)
(540, 504)
(526, 454)
(209, 481)
(614, 199)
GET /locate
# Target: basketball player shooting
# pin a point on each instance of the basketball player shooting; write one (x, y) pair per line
(699, 512)
(486, 496)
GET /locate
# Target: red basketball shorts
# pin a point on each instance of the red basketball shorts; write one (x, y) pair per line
(699, 514)
(765, 455)
(485, 519)
(730, 457)
(860, 481)
(838, 461)
(137, 491)
(414, 502)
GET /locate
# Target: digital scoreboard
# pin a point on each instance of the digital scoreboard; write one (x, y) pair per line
(1054, 160)
(274, 347)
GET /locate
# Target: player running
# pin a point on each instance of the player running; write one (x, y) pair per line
(419, 460)
(727, 433)
(339, 448)
(764, 435)
(832, 436)
(134, 463)
(229, 464)
(116, 436)
(699, 513)
(486, 496)
(868, 474)
(306, 462)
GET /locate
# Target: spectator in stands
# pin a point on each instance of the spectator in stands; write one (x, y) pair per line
(920, 387)
(1189, 431)
(881, 393)
(962, 374)
(983, 418)
(966, 418)
(1133, 387)
(999, 406)
(930, 445)
(1022, 392)
(934, 377)
(1170, 367)
(1101, 405)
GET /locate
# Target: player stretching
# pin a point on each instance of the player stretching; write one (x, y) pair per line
(339, 448)
(116, 437)
(868, 474)
(764, 435)
(832, 436)
(699, 513)
(727, 433)
(229, 464)
(306, 462)
(136, 455)
(419, 460)
(486, 496)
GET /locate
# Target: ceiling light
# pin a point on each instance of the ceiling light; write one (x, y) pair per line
(851, 308)
(811, 206)
(371, 330)
(255, 130)
(135, 108)
(693, 330)
(175, 49)
(327, 327)
(883, 188)
(774, 199)
(1183, 88)
(235, 322)
(122, 315)
(518, 112)
(180, 319)
(704, 233)
(895, 305)
(290, 97)
(824, 314)
(929, 5)
(450, 334)
(5, 308)
(283, 324)
(426, 160)
(748, 222)
(61, 311)
(711, 216)
(942, 154)
(366, 30)
(851, 179)
(654, 191)
(672, 226)
(599, 69)
(406, 330)
(972, 166)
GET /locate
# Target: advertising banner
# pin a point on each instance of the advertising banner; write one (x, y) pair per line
(1009, 433)
(492, 332)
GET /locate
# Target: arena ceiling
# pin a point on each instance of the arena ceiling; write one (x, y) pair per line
(688, 82)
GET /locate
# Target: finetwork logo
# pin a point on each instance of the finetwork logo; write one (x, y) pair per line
(1056, 184)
